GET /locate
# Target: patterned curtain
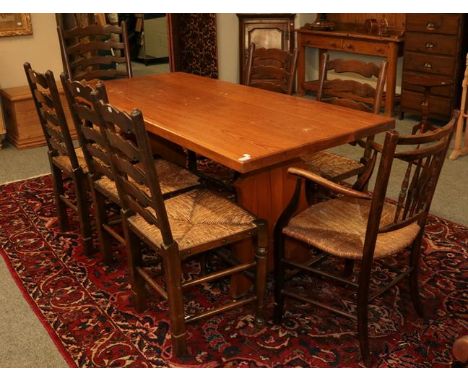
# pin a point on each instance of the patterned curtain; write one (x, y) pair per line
(196, 43)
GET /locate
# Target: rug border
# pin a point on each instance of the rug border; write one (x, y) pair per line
(22, 180)
(53, 336)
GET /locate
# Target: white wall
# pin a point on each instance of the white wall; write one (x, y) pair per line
(41, 49)
(227, 28)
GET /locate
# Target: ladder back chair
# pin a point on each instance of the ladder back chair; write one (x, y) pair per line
(173, 179)
(95, 52)
(354, 94)
(177, 229)
(365, 227)
(66, 162)
(271, 69)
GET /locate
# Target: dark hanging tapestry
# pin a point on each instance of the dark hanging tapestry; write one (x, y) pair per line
(194, 36)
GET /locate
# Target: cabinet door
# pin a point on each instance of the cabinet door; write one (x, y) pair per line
(265, 31)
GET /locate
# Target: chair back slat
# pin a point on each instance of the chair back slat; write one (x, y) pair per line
(44, 98)
(57, 145)
(83, 63)
(136, 207)
(84, 47)
(365, 69)
(101, 168)
(104, 74)
(272, 73)
(349, 101)
(354, 93)
(95, 52)
(134, 172)
(92, 30)
(85, 112)
(38, 78)
(424, 164)
(91, 132)
(126, 146)
(81, 99)
(271, 69)
(51, 115)
(52, 120)
(137, 193)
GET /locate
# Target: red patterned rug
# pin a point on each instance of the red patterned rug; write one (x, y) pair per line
(85, 305)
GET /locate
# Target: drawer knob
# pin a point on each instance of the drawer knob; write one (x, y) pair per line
(427, 66)
(429, 45)
(430, 26)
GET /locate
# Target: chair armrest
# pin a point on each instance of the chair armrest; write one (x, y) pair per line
(328, 183)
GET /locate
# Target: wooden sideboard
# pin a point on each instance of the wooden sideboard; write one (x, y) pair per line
(352, 41)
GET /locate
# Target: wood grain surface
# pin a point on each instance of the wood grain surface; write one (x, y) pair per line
(243, 128)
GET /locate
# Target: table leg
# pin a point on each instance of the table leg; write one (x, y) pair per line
(264, 194)
(300, 69)
(392, 60)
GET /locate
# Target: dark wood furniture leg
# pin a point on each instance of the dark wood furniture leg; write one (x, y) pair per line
(264, 194)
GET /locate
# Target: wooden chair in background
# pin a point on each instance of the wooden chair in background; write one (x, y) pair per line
(95, 52)
(177, 229)
(173, 179)
(66, 162)
(355, 94)
(364, 227)
(271, 69)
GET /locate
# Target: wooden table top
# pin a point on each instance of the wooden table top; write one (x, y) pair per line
(243, 128)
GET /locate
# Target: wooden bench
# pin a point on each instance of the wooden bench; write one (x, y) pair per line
(23, 128)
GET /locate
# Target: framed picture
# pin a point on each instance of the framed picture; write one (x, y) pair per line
(15, 24)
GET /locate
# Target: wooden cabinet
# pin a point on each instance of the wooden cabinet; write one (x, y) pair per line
(434, 45)
(21, 121)
(266, 31)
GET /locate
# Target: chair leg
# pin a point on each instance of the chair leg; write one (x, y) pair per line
(57, 183)
(261, 257)
(173, 275)
(105, 239)
(362, 311)
(413, 277)
(81, 191)
(348, 267)
(311, 192)
(134, 258)
(279, 279)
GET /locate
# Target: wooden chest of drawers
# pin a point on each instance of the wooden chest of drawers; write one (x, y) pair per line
(434, 45)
